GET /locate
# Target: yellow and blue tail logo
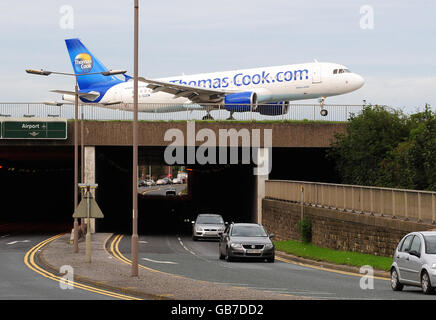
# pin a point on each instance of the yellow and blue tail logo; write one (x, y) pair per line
(86, 64)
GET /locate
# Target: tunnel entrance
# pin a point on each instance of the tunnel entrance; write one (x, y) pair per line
(36, 189)
(224, 189)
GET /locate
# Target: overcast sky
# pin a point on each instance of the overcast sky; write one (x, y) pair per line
(396, 54)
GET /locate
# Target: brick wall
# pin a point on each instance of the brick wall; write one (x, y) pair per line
(337, 229)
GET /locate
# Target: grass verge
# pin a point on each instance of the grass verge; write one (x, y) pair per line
(356, 259)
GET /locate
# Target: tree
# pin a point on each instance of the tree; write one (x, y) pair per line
(412, 164)
(370, 136)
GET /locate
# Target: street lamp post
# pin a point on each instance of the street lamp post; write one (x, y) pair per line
(76, 137)
(134, 244)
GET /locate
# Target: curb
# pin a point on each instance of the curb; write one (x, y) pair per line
(329, 265)
(77, 278)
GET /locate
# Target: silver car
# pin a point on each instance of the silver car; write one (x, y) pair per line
(207, 226)
(415, 262)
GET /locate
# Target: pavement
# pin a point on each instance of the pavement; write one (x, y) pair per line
(109, 273)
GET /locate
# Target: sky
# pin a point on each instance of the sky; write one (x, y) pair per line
(391, 43)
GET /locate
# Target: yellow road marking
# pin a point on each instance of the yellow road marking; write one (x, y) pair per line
(329, 270)
(29, 260)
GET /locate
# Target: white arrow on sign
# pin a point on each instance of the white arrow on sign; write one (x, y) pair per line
(34, 134)
(14, 242)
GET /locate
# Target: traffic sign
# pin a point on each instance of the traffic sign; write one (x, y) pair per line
(37, 128)
(82, 208)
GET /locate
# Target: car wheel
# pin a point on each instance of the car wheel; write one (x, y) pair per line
(271, 259)
(395, 281)
(425, 283)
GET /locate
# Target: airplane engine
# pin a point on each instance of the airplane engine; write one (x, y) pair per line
(273, 108)
(241, 102)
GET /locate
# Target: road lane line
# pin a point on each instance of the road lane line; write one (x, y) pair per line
(157, 261)
(29, 260)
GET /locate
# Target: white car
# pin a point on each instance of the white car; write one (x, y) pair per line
(161, 182)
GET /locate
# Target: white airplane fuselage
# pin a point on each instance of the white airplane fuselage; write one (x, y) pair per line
(271, 84)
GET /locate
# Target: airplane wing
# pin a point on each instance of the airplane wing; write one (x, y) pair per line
(195, 94)
(91, 96)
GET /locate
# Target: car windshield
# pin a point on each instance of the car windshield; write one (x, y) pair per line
(248, 231)
(430, 244)
(210, 220)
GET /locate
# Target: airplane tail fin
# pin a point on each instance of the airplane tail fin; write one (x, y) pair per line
(84, 62)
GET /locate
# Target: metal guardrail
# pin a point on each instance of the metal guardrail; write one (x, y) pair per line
(395, 203)
(187, 112)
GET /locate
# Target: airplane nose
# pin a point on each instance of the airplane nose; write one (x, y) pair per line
(359, 81)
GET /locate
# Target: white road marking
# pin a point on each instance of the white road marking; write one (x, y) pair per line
(142, 241)
(184, 247)
(157, 261)
(14, 242)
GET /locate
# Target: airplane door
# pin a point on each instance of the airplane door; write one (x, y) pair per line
(316, 76)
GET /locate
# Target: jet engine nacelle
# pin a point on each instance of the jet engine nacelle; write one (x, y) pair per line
(241, 102)
(273, 108)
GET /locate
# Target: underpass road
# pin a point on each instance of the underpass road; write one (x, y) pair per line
(160, 190)
(19, 282)
(182, 256)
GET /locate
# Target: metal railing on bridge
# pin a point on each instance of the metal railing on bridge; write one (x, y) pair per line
(395, 203)
(156, 112)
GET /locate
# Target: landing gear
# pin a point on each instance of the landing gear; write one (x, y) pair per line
(207, 117)
(323, 112)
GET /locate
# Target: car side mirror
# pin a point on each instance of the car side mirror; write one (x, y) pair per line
(415, 253)
(272, 235)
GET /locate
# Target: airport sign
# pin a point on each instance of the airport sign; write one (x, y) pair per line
(36, 128)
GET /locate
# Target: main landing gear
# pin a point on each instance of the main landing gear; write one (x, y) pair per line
(323, 112)
(207, 117)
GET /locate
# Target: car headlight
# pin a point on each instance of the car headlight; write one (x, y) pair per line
(236, 245)
(269, 246)
(198, 229)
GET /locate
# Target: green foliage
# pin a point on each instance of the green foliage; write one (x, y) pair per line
(334, 256)
(384, 147)
(305, 229)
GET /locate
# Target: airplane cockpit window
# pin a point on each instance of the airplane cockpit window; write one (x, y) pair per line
(337, 71)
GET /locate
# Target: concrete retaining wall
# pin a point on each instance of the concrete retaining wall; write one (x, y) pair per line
(337, 229)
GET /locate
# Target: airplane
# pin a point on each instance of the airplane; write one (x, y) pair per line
(266, 90)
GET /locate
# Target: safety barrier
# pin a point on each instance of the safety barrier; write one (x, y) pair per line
(395, 203)
(164, 112)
